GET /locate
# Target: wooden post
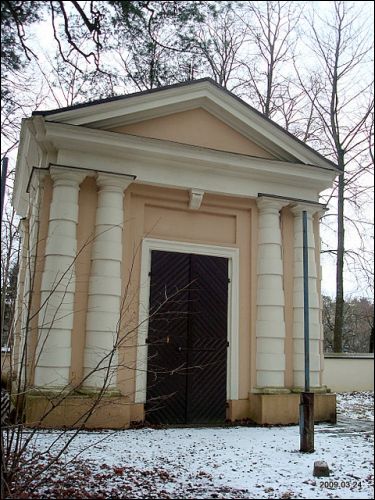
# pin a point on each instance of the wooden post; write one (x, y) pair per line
(306, 419)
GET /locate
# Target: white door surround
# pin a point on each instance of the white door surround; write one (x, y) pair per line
(232, 254)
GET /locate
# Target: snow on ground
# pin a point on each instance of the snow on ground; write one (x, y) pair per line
(357, 405)
(228, 462)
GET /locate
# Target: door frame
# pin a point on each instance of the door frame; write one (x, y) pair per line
(232, 254)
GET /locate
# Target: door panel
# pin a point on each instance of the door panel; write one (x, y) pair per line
(187, 355)
(168, 327)
(207, 356)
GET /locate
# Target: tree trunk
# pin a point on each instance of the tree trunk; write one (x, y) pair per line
(339, 312)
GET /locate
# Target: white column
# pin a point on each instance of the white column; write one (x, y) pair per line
(270, 323)
(36, 194)
(55, 320)
(104, 301)
(19, 365)
(298, 304)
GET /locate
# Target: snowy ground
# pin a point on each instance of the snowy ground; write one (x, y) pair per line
(230, 462)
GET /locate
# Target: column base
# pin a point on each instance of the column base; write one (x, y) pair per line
(283, 409)
(113, 411)
(322, 389)
(271, 390)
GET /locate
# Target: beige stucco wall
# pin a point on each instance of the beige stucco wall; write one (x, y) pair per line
(346, 373)
(196, 127)
(164, 214)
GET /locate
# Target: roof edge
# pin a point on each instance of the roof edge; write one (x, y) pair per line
(127, 96)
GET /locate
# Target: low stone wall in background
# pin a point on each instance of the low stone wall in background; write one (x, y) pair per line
(347, 372)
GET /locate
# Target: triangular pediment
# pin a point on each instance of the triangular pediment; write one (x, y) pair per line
(199, 113)
(196, 127)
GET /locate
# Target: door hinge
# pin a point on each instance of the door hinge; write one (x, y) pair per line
(229, 280)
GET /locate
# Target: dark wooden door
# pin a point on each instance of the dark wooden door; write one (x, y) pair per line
(187, 339)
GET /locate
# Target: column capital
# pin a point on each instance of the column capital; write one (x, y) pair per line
(310, 209)
(67, 176)
(113, 182)
(37, 179)
(23, 227)
(273, 204)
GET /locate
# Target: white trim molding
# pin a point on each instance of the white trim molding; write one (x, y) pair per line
(232, 254)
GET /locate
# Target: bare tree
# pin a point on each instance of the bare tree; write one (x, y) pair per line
(359, 324)
(66, 85)
(272, 30)
(22, 93)
(220, 40)
(9, 265)
(144, 64)
(344, 107)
